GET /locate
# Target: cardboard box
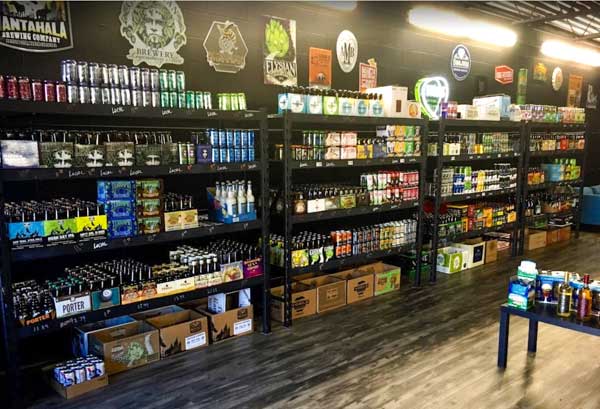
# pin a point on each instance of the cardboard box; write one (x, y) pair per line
(331, 292)
(491, 251)
(145, 315)
(125, 347)
(564, 233)
(551, 236)
(386, 278)
(82, 334)
(535, 239)
(451, 260)
(230, 323)
(395, 100)
(79, 388)
(304, 302)
(180, 331)
(359, 284)
(474, 252)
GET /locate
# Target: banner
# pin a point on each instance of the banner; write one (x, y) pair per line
(591, 101)
(155, 30)
(279, 51)
(319, 68)
(225, 47)
(367, 76)
(574, 90)
(36, 26)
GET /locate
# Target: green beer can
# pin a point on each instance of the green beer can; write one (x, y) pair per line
(181, 99)
(207, 100)
(199, 100)
(163, 80)
(164, 99)
(224, 102)
(173, 99)
(172, 80)
(190, 100)
(242, 101)
(233, 102)
(180, 81)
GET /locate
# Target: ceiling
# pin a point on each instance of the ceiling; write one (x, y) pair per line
(579, 20)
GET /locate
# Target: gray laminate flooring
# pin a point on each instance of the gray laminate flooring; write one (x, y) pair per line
(429, 348)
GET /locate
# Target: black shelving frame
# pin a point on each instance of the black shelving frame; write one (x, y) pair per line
(21, 113)
(443, 125)
(290, 122)
(528, 155)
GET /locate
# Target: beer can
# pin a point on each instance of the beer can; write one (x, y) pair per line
(95, 95)
(222, 138)
(2, 87)
(154, 79)
(105, 94)
(115, 96)
(190, 100)
(230, 154)
(68, 70)
(213, 136)
(244, 154)
(103, 74)
(56, 373)
(68, 376)
(173, 99)
(207, 100)
(136, 97)
(147, 98)
(72, 93)
(229, 138)
(113, 75)
(237, 154)
(80, 376)
(181, 99)
(24, 89)
(84, 93)
(163, 78)
(251, 156)
(123, 76)
(172, 80)
(37, 90)
(242, 101)
(164, 99)
(90, 371)
(145, 78)
(83, 72)
(251, 138)
(233, 102)
(12, 87)
(94, 76)
(61, 92)
(237, 138)
(49, 91)
(135, 79)
(223, 101)
(244, 138)
(180, 78)
(125, 96)
(199, 100)
(222, 155)
(215, 155)
(156, 99)
(99, 367)
(191, 153)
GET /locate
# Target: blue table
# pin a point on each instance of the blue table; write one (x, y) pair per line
(545, 313)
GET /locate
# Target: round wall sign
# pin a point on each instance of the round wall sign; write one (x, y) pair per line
(347, 50)
(557, 78)
(460, 62)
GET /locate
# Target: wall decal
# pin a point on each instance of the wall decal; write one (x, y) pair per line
(431, 92)
(574, 90)
(522, 86)
(557, 78)
(225, 47)
(319, 68)
(591, 102)
(367, 76)
(460, 62)
(347, 50)
(504, 74)
(540, 72)
(279, 51)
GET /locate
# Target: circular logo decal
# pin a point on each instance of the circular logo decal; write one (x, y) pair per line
(460, 62)
(347, 50)
(557, 78)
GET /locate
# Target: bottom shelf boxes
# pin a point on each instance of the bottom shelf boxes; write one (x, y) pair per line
(359, 284)
(180, 331)
(229, 324)
(304, 302)
(70, 392)
(331, 292)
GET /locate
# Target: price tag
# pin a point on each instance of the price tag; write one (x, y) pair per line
(195, 341)
(211, 113)
(248, 115)
(471, 157)
(483, 194)
(318, 164)
(350, 162)
(143, 306)
(499, 155)
(394, 161)
(135, 172)
(303, 165)
(402, 160)
(241, 327)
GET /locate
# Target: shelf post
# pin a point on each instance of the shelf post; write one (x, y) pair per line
(265, 223)
(287, 229)
(586, 150)
(422, 193)
(437, 183)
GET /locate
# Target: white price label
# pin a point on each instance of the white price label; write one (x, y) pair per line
(402, 161)
(241, 327)
(195, 341)
(452, 158)
(350, 162)
(318, 164)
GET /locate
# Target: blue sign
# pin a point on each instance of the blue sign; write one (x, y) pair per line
(460, 62)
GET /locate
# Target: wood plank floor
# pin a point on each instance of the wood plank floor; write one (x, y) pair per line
(429, 348)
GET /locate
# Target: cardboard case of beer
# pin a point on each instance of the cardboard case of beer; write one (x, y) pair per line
(228, 324)
(395, 100)
(180, 331)
(331, 292)
(359, 284)
(304, 302)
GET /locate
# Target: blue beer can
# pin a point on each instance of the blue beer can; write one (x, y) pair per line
(237, 154)
(244, 138)
(230, 155)
(251, 138)
(237, 138)
(229, 135)
(223, 155)
(250, 154)
(213, 136)
(244, 154)
(222, 138)
(215, 155)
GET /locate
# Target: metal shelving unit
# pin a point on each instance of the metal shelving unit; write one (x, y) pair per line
(444, 125)
(528, 155)
(287, 123)
(34, 114)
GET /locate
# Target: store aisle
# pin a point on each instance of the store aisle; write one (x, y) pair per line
(429, 348)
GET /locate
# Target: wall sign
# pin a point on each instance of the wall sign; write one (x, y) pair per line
(319, 68)
(155, 30)
(279, 51)
(522, 86)
(504, 74)
(591, 102)
(557, 78)
(36, 26)
(431, 92)
(574, 90)
(540, 72)
(367, 76)
(347, 50)
(225, 47)
(460, 62)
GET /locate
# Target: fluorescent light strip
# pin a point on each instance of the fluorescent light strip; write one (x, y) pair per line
(563, 51)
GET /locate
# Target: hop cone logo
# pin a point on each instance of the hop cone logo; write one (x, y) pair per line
(277, 39)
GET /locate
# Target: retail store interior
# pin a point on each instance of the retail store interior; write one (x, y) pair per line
(340, 204)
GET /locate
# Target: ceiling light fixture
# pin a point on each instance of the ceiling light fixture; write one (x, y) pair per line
(564, 51)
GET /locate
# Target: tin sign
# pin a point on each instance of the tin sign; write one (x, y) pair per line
(225, 47)
(504, 74)
(460, 62)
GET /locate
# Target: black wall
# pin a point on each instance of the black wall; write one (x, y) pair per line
(403, 53)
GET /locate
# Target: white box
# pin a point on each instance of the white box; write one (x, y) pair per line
(493, 107)
(475, 253)
(395, 100)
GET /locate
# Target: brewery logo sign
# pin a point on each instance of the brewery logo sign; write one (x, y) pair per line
(557, 78)
(591, 101)
(155, 30)
(503, 74)
(36, 26)
(279, 51)
(540, 72)
(225, 47)
(347, 50)
(319, 68)
(460, 62)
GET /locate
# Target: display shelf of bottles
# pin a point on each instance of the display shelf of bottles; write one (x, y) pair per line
(49, 326)
(564, 213)
(348, 120)
(475, 123)
(17, 175)
(30, 254)
(547, 185)
(12, 107)
(558, 153)
(475, 233)
(554, 125)
(407, 160)
(477, 195)
(484, 156)
(339, 263)
(355, 211)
